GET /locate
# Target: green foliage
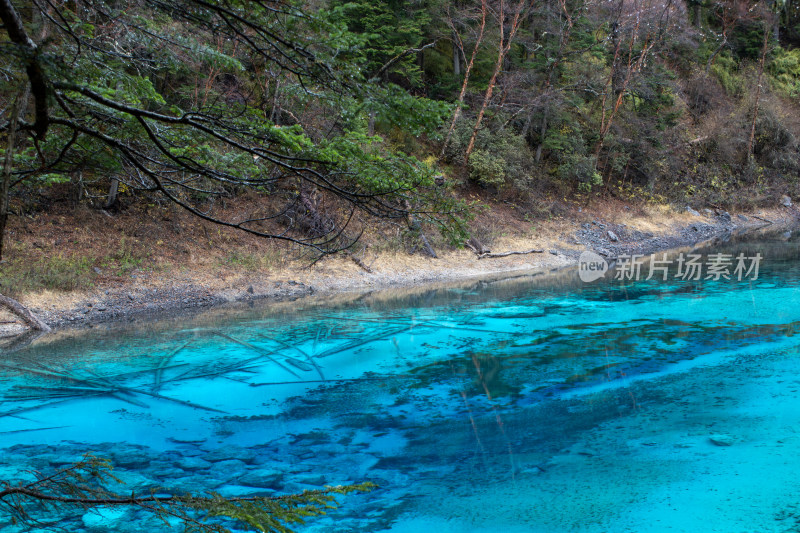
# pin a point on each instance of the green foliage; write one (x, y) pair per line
(265, 514)
(784, 70)
(564, 137)
(371, 19)
(56, 272)
(251, 261)
(440, 79)
(775, 145)
(500, 158)
(390, 107)
(576, 167)
(341, 99)
(655, 99)
(242, 96)
(726, 70)
(487, 169)
(84, 485)
(580, 169)
(747, 39)
(124, 259)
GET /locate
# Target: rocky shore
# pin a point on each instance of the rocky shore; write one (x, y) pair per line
(150, 297)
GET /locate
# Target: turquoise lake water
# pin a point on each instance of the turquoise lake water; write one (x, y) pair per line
(532, 404)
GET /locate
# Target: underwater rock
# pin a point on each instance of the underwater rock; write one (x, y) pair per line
(721, 440)
(166, 472)
(131, 481)
(15, 472)
(230, 469)
(228, 453)
(301, 452)
(230, 491)
(263, 479)
(48, 460)
(131, 458)
(105, 519)
(316, 480)
(192, 463)
(195, 484)
(190, 451)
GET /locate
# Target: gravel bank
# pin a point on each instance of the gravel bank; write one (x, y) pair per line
(142, 302)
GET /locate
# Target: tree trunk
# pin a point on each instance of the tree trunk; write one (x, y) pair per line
(38, 85)
(33, 321)
(19, 106)
(764, 46)
(617, 86)
(113, 191)
(776, 30)
(456, 59)
(467, 72)
(504, 47)
(416, 227)
(275, 113)
(542, 131)
(563, 41)
(77, 188)
(487, 97)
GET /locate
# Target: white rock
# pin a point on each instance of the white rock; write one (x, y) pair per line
(721, 440)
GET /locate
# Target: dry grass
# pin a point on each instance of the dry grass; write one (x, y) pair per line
(657, 219)
(63, 259)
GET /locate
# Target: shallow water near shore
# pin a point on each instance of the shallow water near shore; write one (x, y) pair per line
(537, 404)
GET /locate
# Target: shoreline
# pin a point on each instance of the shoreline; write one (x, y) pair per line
(332, 276)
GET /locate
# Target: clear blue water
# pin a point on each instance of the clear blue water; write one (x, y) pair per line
(537, 403)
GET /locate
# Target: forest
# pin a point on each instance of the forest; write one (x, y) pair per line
(326, 116)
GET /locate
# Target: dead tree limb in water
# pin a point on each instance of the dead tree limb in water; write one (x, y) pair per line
(24, 314)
